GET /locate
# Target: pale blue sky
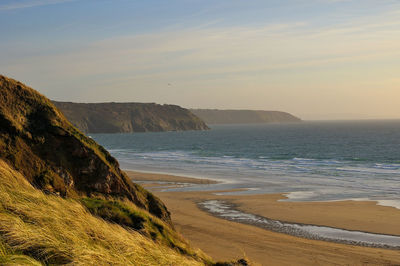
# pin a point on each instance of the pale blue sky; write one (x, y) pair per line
(319, 59)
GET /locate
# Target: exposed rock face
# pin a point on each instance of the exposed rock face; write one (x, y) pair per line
(214, 116)
(129, 117)
(57, 158)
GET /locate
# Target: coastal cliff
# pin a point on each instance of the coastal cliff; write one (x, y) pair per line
(129, 117)
(214, 116)
(54, 156)
(64, 199)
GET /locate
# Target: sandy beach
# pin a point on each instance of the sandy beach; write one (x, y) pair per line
(224, 240)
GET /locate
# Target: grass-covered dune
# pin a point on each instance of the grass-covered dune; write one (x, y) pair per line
(36, 229)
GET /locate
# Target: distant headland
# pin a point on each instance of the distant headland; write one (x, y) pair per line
(215, 116)
(129, 117)
(151, 117)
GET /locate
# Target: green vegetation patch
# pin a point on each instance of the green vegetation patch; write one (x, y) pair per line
(126, 214)
(114, 211)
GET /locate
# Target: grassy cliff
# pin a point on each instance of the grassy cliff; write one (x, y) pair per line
(56, 157)
(64, 199)
(129, 117)
(37, 228)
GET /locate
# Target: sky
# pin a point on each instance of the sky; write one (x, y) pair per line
(317, 59)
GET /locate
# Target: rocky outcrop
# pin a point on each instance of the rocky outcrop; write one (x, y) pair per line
(129, 117)
(37, 140)
(214, 116)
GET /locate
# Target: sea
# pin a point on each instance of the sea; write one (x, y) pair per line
(307, 161)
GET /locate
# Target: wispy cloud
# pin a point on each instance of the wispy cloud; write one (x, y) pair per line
(234, 50)
(20, 4)
(352, 62)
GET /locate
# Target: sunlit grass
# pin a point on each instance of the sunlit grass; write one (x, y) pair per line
(8, 257)
(54, 230)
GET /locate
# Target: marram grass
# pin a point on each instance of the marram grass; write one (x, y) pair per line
(36, 228)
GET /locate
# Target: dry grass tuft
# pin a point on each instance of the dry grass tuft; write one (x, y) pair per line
(54, 230)
(7, 257)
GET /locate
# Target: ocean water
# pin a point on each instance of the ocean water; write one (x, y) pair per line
(310, 161)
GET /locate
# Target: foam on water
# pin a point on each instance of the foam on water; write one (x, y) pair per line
(389, 203)
(300, 195)
(303, 196)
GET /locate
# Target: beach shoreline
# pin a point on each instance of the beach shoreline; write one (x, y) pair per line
(352, 215)
(216, 236)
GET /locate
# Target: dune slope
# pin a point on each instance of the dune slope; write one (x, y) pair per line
(37, 228)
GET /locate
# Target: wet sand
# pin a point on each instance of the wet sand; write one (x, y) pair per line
(149, 177)
(351, 215)
(225, 240)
